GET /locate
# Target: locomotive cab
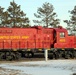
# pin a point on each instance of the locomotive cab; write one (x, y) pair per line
(60, 38)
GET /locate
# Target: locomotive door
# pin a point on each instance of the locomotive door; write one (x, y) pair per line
(5, 44)
(15, 44)
(1, 45)
(31, 42)
(38, 41)
(47, 41)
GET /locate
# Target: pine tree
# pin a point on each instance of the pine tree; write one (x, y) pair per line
(17, 18)
(46, 15)
(1, 16)
(71, 24)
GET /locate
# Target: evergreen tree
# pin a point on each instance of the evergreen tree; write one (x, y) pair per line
(71, 24)
(1, 16)
(5, 21)
(46, 15)
(17, 18)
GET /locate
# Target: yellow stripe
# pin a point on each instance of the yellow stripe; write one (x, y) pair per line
(48, 49)
(74, 48)
(63, 49)
(28, 49)
(39, 49)
(14, 49)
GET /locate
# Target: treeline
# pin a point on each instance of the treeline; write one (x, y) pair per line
(13, 16)
(45, 16)
(71, 24)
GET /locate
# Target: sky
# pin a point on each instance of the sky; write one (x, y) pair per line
(61, 7)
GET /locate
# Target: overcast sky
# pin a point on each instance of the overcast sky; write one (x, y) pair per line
(30, 6)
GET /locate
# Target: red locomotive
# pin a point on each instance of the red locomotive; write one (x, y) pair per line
(16, 42)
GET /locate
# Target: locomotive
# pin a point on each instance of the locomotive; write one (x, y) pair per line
(18, 42)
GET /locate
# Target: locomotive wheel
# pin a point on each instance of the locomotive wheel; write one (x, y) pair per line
(29, 54)
(17, 55)
(74, 53)
(12, 56)
(56, 56)
(51, 56)
(2, 56)
(67, 55)
(61, 54)
(8, 56)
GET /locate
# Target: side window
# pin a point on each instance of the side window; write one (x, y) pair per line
(62, 34)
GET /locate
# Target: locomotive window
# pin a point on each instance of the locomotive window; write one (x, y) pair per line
(62, 34)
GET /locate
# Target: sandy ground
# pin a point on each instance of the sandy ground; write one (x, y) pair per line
(51, 67)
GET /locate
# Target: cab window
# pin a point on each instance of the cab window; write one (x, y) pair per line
(62, 34)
